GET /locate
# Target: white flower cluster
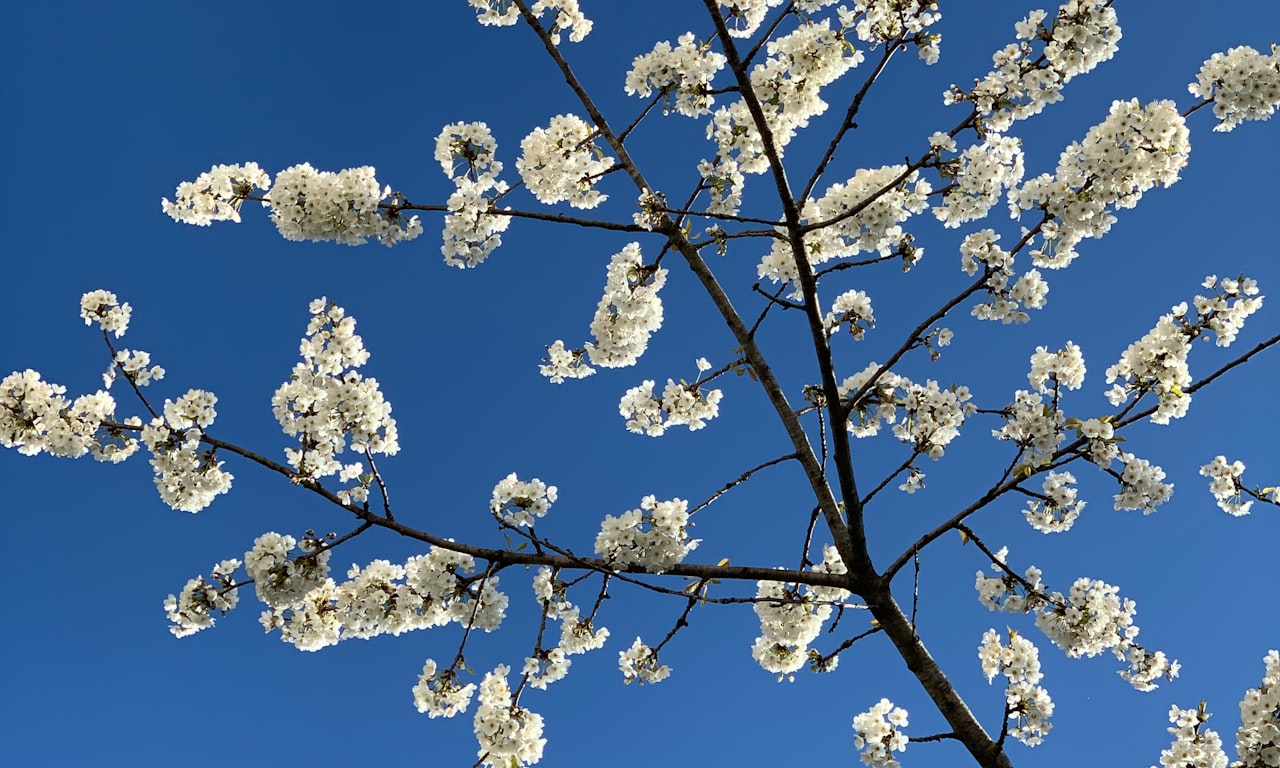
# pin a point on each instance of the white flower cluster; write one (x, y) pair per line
(786, 84)
(1225, 311)
(1026, 702)
(680, 403)
(193, 609)
(1224, 484)
(1243, 84)
(1258, 740)
(136, 367)
(279, 579)
(438, 692)
(187, 477)
(1193, 747)
(1058, 511)
(496, 13)
(510, 736)
(744, 16)
(791, 618)
(1065, 368)
(36, 416)
(1101, 434)
(885, 20)
(216, 195)
(568, 18)
(329, 406)
(563, 363)
(1158, 361)
(471, 232)
(103, 308)
(1008, 298)
(640, 662)
(1142, 485)
(346, 207)
(516, 502)
(653, 537)
(876, 227)
(979, 176)
(629, 311)
(682, 75)
(1091, 619)
(561, 162)
(1134, 149)
(854, 308)
(724, 179)
(1088, 621)
(467, 151)
(382, 598)
(1084, 33)
(1032, 425)
(933, 416)
(878, 733)
(577, 635)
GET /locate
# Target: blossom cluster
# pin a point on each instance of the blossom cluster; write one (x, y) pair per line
(1090, 619)
(216, 194)
(467, 154)
(854, 308)
(653, 537)
(103, 308)
(680, 404)
(517, 502)
(504, 13)
(894, 194)
(36, 417)
(510, 735)
(878, 733)
(1193, 747)
(311, 611)
(1065, 368)
(1258, 740)
(1134, 149)
(640, 662)
(1158, 361)
(1224, 484)
(1058, 510)
(561, 162)
(346, 207)
(1007, 298)
(791, 618)
(1026, 702)
(577, 634)
(1243, 84)
(187, 476)
(1030, 73)
(329, 406)
(682, 75)
(978, 176)
(439, 693)
(193, 609)
(629, 311)
(136, 367)
(786, 84)
(932, 415)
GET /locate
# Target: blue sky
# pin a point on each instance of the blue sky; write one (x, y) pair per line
(111, 106)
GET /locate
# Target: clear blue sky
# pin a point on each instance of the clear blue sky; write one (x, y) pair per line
(109, 106)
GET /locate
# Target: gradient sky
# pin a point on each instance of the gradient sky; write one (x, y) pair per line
(110, 106)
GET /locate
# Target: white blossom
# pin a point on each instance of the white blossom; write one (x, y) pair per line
(103, 308)
(680, 404)
(1027, 704)
(640, 662)
(1224, 484)
(878, 733)
(1258, 739)
(1242, 83)
(438, 693)
(216, 195)
(559, 163)
(652, 537)
(510, 736)
(1192, 746)
(348, 207)
(629, 311)
(682, 75)
(517, 502)
(193, 609)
